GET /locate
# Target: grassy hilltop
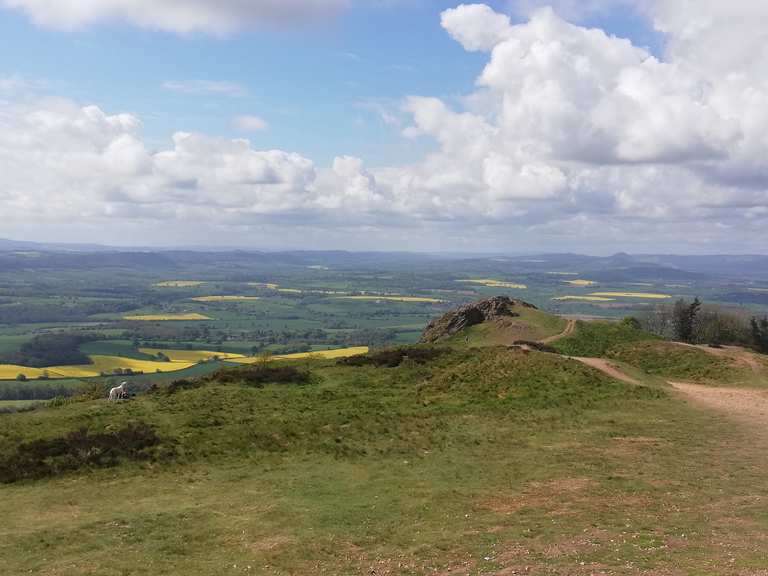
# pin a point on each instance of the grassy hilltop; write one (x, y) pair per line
(474, 459)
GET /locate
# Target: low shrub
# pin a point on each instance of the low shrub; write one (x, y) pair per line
(393, 357)
(259, 375)
(78, 450)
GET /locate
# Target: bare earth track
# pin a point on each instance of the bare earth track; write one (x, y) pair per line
(569, 329)
(607, 368)
(749, 406)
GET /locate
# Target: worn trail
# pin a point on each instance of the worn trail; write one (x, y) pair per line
(748, 405)
(570, 327)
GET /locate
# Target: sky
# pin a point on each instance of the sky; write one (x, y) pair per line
(591, 126)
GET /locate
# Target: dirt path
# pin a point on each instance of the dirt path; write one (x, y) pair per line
(744, 404)
(607, 368)
(570, 327)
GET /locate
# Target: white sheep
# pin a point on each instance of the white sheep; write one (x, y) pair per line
(118, 392)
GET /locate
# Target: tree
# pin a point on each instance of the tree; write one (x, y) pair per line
(21, 377)
(265, 358)
(760, 333)
(684, 319)
(631, 322)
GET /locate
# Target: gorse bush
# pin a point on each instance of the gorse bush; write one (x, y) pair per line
(78, 450)
(259, 375)
(394, 357)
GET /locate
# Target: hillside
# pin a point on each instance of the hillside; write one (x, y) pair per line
(499, 320)
(416, 460)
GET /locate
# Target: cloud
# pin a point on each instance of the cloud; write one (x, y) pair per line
(476, 26)
(250, 124)
(568, 131)
(213, 16)
(205, 87)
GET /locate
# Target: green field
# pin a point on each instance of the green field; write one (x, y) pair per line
(476, 462)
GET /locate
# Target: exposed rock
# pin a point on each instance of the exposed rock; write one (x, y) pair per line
(471, 314)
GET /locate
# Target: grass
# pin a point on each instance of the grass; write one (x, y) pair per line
(16, 404)
(596, 339)
(530, 324)
(648, 295)
(482, 461)
(168, 317)
(674, 361)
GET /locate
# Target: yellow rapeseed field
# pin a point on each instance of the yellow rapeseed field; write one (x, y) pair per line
(324, 354)
(580, 282)
(225, 298)
(167, 317)
(101, 364)
(490, 283)
(11, 371)
(586, 298)
(189, 355)
(179, 284)
(393, 298)
(649, 295)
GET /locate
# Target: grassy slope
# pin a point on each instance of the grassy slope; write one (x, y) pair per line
(674, 361)
(649, 354)
(531, 324)
(595, 339)
(483, 460)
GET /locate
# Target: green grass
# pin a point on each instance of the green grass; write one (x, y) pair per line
(675, 361)
(15, 404)
(595, 339)
(530, 324)
(479, 461)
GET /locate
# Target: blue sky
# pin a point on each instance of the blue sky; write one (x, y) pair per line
(318, 85)
(593, 125)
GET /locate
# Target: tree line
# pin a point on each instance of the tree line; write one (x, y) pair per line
(694, 322)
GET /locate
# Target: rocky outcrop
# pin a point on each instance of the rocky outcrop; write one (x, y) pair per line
(471, 314)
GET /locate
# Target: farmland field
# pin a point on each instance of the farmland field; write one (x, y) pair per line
(195, 307)
(167, 317)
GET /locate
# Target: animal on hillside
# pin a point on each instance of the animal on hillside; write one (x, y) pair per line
(118, 392)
